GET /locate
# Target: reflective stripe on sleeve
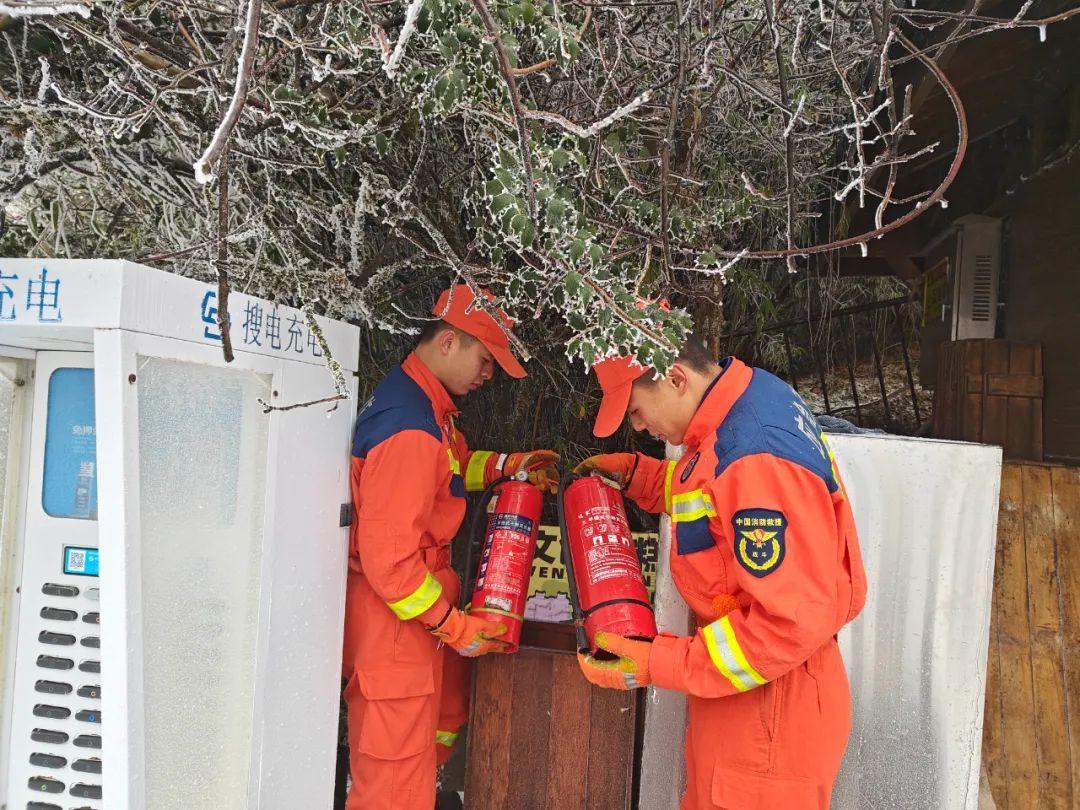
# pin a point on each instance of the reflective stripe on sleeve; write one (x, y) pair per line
(728, 657)
(667, 485)
(474, 472)
(690, 506)
(419, 600)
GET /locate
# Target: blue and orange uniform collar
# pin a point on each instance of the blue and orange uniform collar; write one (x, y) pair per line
(418, 372)
(720, 396)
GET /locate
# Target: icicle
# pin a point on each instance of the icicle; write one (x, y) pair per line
(863, 249)
(1042, 33)
(944, 203)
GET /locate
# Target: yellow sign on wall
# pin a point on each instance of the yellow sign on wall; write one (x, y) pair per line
(549, 595)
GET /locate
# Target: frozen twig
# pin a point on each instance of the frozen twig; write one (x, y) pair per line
(29, 8)
(203, 166)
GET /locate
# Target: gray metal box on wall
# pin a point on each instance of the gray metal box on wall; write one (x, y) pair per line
(960, 287)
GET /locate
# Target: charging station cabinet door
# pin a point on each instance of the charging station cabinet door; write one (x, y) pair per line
(56, 697)
(223, 587)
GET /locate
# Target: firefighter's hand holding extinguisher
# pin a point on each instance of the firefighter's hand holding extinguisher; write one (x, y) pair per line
(629, 668)
(608, 594)
(617, 467)
(539, 467)
(469, 636)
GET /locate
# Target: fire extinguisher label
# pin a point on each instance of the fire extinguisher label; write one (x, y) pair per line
(511, 522)
(503, 578)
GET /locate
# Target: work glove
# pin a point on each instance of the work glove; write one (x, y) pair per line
(629, 671)
(470, 636)
(617, 467)
(539, 464)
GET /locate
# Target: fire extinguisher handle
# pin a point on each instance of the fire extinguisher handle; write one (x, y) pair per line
(478, 526)
(568, 564)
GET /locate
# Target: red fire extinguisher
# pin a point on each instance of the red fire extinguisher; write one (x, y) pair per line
(607, 588)
(502, 576)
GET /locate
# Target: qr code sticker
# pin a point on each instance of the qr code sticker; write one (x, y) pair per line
(76, 560)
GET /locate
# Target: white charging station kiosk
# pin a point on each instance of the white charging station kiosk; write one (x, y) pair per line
(172, 560)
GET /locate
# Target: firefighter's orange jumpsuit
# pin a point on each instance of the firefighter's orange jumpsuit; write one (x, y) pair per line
(406, 695)
(764, 551)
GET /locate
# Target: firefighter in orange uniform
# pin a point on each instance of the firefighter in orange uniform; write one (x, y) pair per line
(764, 551)
(406, 692)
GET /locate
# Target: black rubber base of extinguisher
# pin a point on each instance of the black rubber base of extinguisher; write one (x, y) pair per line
(474, 536)
(568, 564)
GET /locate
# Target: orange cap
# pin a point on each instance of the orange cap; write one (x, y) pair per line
(616, 376)
(462, 314)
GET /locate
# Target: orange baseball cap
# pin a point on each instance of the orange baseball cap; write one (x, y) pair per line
(616, 376)
(457, 307)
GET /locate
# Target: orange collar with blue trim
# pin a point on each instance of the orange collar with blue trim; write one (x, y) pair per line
(441, 403)
(718, 400)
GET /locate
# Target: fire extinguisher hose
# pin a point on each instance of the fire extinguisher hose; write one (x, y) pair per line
(568, 564)
(479, 524)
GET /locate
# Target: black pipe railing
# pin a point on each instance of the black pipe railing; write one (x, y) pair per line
(835, 344)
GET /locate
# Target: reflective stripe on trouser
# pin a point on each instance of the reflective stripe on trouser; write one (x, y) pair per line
(402, 688)
(780, 745)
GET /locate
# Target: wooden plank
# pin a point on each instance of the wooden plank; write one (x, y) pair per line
(611, 758)
(995, 409)
(996, 355)
(568, 738)
(1072, 695)
(1041, 564)
(1020, 440)
(1013, 593)
(993, 747)
(487, 768)
(1018, 709)
(1022, 358)
(534, 693)
(1014, 385)
(971, 404)
(995, 421)
(1051, 732)
(547, 636)
(1066, 486)
(1020, 418)
(1037, 415)
(1066, 508)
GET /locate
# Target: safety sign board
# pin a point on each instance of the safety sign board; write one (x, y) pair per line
(549, 595)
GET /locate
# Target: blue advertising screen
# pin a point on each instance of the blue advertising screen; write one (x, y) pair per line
(69, 488)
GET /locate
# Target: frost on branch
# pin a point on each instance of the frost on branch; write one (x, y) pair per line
(587, 161)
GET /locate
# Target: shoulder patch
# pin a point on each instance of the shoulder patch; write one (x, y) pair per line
(759, 539)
